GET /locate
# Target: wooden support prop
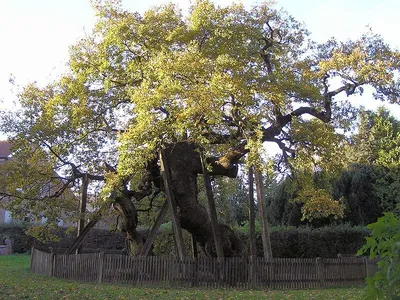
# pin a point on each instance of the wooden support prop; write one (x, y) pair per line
(253, 248)
(153, 233)
(194, 247)
(172, 205)
(82, 208)
(262, 209)
(252, 217)
(213, 211)
(79, 240)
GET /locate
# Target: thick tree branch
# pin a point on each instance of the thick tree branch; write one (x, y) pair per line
(270, 133)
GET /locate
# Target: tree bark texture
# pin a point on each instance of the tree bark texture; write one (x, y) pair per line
(184, 163)
(262, 209)
(129, 221)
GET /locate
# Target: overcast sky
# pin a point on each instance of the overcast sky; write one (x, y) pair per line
(35, 34)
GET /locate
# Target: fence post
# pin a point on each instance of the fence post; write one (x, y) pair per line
(252, 271)
(101, 262)
(51, 271)
(195, 271)
(171, 270)
(32, 258)
(54, 265)
(321, 272)
(366, 264)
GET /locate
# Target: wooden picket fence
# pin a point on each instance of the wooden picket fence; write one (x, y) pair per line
(240, 273)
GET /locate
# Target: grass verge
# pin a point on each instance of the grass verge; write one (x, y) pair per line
(16, 282)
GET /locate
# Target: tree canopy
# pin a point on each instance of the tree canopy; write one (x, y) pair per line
(223, 80)
(371, 185)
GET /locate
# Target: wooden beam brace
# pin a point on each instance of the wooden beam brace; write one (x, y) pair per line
(154, 230)
(82, 207)
(79, 240)
(253, 249)
(213, 211)
(262, 209)
(172, 204)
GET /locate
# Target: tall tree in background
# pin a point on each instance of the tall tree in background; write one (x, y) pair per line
(282, 209)
(288, 204)
(377, 139)
(231, 197)
(368, 185)
(357, 189)
(222, 80)
(371, 185)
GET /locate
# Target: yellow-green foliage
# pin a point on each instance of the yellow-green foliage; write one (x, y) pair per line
(140, 81)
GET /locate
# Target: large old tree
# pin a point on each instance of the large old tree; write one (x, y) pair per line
(220, 80)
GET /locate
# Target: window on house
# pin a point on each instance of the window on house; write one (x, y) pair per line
(7, 217)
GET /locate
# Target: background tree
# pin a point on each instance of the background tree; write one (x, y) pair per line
(377, 138)
(223, 80)
(357, 189)
(368, 183)
(282, 209)
(231, 199)
(371, 186)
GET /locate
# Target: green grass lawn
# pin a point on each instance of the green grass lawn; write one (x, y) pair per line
(16, 282)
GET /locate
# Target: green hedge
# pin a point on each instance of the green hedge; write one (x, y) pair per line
(320, 242)
(21, 242)
(289, 241)
(286, 241)
(97, 239)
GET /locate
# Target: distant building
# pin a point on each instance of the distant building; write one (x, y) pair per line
(5, 152)
(5, 215)
(107, 221)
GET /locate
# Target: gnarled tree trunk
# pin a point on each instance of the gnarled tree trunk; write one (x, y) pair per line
(184, 164)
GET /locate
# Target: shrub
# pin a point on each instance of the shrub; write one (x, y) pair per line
(164, 244)
(21, 242)
(97, 239)
(384, 243)
(286, 241)
(312, 242)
